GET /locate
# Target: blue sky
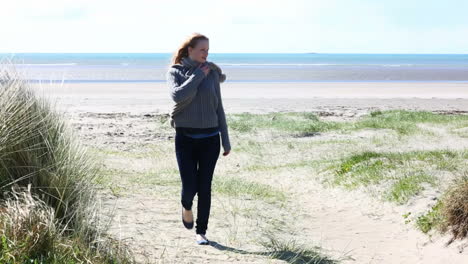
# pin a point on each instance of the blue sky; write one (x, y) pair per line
(325, 26)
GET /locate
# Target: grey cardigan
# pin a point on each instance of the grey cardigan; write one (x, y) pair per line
(197, 99)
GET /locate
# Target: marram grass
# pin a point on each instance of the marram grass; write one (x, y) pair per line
(38, 151)
(37, 148)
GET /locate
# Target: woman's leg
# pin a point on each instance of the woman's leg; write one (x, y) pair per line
(209, 149)
(187, 162)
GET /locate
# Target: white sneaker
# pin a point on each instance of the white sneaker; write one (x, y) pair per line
(202, 240)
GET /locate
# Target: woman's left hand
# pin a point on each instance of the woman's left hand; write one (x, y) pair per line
(226, 153)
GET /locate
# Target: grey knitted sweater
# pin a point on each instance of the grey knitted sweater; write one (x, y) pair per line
(197, 99)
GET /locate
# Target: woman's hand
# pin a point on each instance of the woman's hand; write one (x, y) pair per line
(226, 153)
(205, 68)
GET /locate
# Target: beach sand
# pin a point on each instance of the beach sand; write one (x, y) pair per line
(119, 117)
(264, 97)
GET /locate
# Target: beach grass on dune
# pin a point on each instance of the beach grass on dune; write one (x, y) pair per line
(409, 185)
(404, 172)
(405, 122)
(431, 219)
(38, 149)
(119, 181)
(402, 175)
(30, 234)
(307, 124)
(450, 213)
(39, 152)
(302, 123)
(238, 187)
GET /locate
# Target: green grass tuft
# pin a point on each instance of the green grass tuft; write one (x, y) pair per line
(408, 186)
(431, 219)
(406, 171)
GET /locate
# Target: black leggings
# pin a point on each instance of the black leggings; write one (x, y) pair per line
(196, 158)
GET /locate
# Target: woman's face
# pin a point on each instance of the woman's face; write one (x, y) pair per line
(200, 52)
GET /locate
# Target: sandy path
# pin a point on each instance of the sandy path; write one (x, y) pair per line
(151, 228)
(351, 223)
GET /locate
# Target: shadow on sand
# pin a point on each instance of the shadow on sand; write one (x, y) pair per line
(299, 257)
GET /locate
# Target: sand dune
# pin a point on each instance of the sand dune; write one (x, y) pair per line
(348, 225)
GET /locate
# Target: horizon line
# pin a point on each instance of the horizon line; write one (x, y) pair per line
(357, 53)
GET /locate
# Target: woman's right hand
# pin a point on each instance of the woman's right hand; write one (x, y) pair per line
(204, 67)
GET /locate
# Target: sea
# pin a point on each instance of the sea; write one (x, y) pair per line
(243, 67)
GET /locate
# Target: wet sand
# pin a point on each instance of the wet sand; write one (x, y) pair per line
(264, 97)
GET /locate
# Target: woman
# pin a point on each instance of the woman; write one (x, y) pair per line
(198, 118)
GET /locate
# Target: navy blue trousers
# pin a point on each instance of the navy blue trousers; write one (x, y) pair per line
(196, 158)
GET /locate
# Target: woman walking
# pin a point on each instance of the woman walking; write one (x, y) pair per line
(198, 118)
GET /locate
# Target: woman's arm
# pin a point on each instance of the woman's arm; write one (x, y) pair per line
(222, 121)
(186, 90)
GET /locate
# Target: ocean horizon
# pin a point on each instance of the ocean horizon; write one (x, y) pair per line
(244, 67)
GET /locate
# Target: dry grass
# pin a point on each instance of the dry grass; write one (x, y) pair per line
(27, 227)
(39, 151)
(455, 210)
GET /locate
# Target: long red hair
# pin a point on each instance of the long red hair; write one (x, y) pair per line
(182, 51)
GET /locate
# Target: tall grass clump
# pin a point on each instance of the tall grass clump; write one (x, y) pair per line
(455, 210)
(450, 213)
(38, 149)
